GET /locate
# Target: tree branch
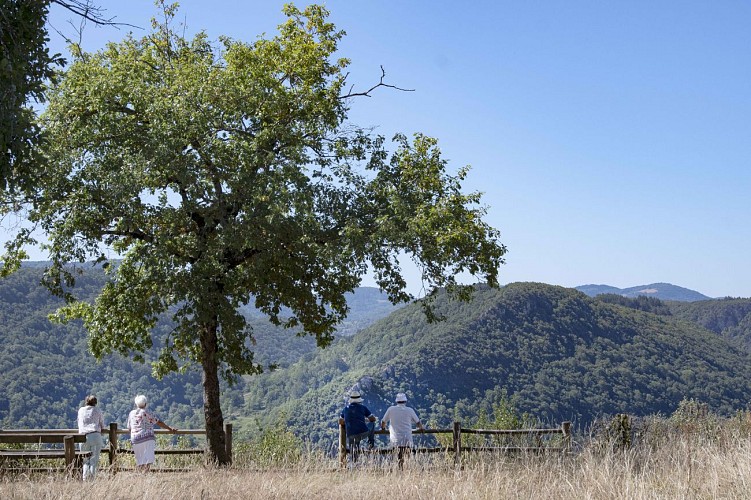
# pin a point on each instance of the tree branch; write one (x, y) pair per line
(88, 11)
(371, 89)
(136, 234)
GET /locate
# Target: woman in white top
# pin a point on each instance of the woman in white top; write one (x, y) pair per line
(91, 423)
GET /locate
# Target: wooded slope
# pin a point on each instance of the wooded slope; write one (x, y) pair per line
(560, 353)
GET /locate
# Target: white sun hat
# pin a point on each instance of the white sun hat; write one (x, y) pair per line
(354, 397)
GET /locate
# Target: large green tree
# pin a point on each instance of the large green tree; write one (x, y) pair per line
(227, 174)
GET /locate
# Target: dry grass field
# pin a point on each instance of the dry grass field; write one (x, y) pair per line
(692, 454)
(692, 467)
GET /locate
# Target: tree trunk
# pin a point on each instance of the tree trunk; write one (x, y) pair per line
(212, 411)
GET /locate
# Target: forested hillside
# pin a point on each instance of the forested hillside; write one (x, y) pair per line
(560, 353)
(729, 317)
(279, 347)
(46, 369)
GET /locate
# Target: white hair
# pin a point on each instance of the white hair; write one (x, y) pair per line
(141, 401)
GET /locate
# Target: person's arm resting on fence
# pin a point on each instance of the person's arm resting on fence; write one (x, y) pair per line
(165, 426)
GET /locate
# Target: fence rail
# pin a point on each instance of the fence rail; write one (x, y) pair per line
(115, 450)
(65, 437)
(73, 458)
(457, 448)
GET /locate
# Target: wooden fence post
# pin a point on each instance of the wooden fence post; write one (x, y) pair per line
(342, 446)
(457, 443)
(113, 445)
(228, 441)
(70, 454)
(566, 428)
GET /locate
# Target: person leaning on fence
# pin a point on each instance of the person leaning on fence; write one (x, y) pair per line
(400, 418)
(358, 423)
(141, 424)
(91, 423)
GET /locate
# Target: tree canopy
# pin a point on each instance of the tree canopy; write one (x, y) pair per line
(227, 173)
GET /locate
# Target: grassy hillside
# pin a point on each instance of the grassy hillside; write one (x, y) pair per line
(560, 353)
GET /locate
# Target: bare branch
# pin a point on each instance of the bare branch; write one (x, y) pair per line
(371, 89)
(89, 12)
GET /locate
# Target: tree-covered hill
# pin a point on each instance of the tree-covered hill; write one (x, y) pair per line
(276, 346)
(728, 317)
(560, 353)
(46, 369)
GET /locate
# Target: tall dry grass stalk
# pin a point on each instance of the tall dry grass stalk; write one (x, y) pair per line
(677, 467)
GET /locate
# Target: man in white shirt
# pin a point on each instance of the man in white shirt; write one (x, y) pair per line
(400, 418)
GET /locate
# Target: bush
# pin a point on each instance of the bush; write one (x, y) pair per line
(274, 446)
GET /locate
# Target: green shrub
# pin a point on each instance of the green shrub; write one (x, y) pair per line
(274, 446)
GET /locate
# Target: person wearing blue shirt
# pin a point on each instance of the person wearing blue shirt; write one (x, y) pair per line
(359, 423)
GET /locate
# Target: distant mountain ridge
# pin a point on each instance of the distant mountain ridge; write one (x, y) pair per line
(662, 291)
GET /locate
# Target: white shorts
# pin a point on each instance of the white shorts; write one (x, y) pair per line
(144, 452)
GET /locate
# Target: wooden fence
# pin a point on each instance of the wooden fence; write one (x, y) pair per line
(45, 439)
(73, 457)
(115, 450)
(535, 435)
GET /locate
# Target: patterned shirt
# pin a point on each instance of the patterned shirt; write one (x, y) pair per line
(141, 424)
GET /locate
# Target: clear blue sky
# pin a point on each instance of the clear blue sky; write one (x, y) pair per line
(612, 140)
